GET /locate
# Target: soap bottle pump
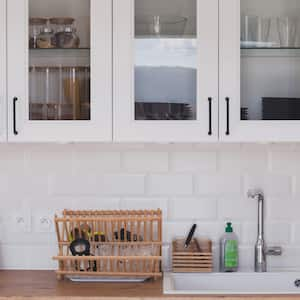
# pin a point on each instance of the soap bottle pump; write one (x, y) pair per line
(229, 252)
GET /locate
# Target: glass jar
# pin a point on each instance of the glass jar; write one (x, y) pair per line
(65, 33)
(46, 39)
(36, 25)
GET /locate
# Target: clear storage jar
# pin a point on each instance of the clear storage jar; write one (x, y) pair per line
(46, 39)
(65, 33)
(36, 26)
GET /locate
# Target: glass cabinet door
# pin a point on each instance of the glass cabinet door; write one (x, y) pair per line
(3, 113)
(58, 88)
(263, 44)
(166, 66)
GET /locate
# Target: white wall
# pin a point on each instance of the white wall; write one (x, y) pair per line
(206, 184)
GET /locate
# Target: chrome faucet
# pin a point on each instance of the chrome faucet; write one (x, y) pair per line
(261, 251)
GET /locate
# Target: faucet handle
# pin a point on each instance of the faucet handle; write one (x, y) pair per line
(253, 193)
(274, 251)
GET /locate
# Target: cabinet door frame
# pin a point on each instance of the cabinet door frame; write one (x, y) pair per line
(126, 129)
(3, 69)
(230, 82)
(99, 128)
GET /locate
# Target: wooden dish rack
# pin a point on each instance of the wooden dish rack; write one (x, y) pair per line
(122, 243)
(197, 258)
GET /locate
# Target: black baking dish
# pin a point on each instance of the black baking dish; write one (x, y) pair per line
(281, 108)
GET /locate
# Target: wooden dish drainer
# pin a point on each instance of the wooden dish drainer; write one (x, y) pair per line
(130, 244)
(197, 258)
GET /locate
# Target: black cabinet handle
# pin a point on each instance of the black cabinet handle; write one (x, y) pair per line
(227, 99)
(209, 116)
(14, 117)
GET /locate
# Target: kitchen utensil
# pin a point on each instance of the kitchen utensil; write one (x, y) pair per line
(287, 30)
(80, 247)
(190, 236)
(160, 25)
(255, 31)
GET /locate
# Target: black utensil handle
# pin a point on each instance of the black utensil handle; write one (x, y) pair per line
(227, 99)
(14, 116)
(190, 236)
(209, 116)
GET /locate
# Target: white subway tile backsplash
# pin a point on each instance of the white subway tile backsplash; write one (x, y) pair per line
(237, 208)
(108, 184)
(193, 208)
(296, 233)
(276, 233)
(145, 161)
(288, 259)
(145, 203)
(96, 162)
(218, 184)
(193, 161)
(283, 208)
(173, 230)
(285, 162)
(170, 184)
(120, 184)
(272, 184)
(203, 183)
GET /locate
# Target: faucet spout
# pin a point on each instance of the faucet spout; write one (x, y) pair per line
(261, 250)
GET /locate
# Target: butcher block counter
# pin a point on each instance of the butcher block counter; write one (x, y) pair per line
(43, 285)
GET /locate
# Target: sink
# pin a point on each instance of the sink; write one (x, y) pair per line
(241, 283)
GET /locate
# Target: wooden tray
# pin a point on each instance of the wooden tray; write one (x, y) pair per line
(197, 258)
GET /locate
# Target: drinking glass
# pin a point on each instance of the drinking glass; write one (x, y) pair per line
(287, 30)
(255, 30)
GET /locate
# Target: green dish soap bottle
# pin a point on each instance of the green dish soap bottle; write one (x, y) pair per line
(229, 250)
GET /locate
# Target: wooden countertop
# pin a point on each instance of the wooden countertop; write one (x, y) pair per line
(43, 285)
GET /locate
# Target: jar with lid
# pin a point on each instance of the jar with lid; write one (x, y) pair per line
(46, 38)
(36, 25)
(65, 33)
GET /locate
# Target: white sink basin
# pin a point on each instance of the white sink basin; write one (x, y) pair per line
(232, 283)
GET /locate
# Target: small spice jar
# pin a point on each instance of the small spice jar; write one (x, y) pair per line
(65, 33)
(36, 25)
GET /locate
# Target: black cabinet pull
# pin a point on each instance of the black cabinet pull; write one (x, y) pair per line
(14, 117)
(227, 99)
(209, 116)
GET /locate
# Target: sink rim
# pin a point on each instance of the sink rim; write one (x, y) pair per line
(169, 288)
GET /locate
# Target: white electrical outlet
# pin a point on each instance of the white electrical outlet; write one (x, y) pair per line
(20, 221)
(44, 223)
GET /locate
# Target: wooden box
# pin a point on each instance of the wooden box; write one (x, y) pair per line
(197, 258)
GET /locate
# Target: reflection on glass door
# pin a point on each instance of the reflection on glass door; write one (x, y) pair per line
(59, 59)
(165, 60)
(270, 60)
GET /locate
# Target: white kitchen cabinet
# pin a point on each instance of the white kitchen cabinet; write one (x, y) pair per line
(59, 83)
(3, 112)
(259, 97)
(165, 70)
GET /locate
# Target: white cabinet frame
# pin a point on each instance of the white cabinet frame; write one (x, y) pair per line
(126, 129)
(3, 108)
(100, 126)
(242, 131)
